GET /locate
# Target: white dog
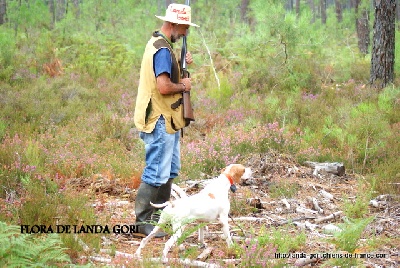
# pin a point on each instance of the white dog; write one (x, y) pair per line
(210, 204)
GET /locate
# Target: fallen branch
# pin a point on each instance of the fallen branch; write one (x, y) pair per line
(315, 204)
(305, 210)
(124, 255)
(305, 261)
(191, 263)
(100, 259)
(333, 168)
(205, 254)
(254, 219)
(296, 219)
(326, 194)
(329, 217)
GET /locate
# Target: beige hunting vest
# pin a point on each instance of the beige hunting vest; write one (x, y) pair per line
(150, 103)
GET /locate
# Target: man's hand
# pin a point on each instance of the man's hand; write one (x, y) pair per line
(189, 58)
(187, 82)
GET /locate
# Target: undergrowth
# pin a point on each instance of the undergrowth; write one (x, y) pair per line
(22, 250)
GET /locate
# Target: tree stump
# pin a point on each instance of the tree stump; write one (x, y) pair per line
(333, 168)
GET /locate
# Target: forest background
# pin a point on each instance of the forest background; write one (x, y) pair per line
(290, 76)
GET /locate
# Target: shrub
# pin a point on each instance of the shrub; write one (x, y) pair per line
(21, 250)
(347, 239)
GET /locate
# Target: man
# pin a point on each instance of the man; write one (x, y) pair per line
(159, 124)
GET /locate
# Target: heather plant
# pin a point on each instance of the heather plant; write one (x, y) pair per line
(229, 144)
(256, 254)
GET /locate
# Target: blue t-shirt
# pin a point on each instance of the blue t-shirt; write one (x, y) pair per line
(162, 62)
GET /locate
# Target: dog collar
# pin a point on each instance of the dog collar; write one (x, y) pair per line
(229, 178)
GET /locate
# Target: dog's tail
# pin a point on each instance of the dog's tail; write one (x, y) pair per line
(161, 205)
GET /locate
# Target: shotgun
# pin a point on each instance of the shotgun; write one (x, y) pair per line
(187, 105)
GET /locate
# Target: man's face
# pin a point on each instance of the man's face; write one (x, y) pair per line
(178, 30)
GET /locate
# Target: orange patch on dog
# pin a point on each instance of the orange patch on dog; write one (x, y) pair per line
(211, 196)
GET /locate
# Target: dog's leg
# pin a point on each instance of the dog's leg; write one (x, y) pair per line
(173, 239)
(225, 229)
(201, 237)
(146, 240)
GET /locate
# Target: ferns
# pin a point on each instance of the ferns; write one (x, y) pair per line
(22, 250)
(348, 238)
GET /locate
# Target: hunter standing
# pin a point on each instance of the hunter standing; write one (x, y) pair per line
(161, 86)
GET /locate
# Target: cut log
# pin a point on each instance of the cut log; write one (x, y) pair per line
(329, 217)
(333, 168)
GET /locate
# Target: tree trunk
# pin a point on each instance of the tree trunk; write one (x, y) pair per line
(168, 2)
(52, 9)
(298, 8)
(244, 9)
(398, 13)
(338, 8)
(76, 9)
(362, 26)
(3, 11)
(382, 58)
(323, 11)
(61, 9)
(289, 5)
(312, 8)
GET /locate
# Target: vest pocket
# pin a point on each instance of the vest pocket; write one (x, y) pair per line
(149, 109)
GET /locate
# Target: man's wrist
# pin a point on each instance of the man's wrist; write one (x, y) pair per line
(184, 87)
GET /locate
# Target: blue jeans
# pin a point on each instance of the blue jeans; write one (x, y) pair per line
(163, 160)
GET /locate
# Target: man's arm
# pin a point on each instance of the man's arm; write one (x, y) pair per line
(162, 70)
(165, 85)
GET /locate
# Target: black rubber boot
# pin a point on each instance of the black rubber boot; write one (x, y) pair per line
(143, 209)
(164, 194)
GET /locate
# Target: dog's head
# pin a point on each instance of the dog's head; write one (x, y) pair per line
(236, 172)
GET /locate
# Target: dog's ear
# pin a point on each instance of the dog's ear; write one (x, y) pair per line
(237, 172)
(223, 170)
